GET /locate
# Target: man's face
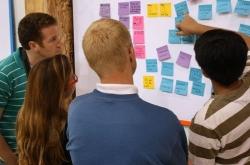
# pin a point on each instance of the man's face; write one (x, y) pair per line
(51, 44)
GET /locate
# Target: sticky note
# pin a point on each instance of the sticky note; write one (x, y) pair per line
(163, 53)
(245, 29)
(181, 88)
(151, 65)
(153, 10)
(205, 12)
(139, 51)
(173, 38)
(188, 39)
(242, 7)
(223, 6)
(181, 8)
(123, 8)
(178, 19)
(198, 88)
(167, 69)
(195, 75)
(125, 21)
(167, 85)
(184, 59)
(104, 10)
(165, 10)
(135, 7)
(138, 23)
(148, 82)
(138, 37)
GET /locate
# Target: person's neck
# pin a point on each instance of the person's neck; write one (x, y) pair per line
(33, 57)
(223, 90)
(117, 79)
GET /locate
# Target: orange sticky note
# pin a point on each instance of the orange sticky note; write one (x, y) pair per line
(165, 10)
(148, 82)
(153, 10)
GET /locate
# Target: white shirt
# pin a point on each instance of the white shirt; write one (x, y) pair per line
(118, 89)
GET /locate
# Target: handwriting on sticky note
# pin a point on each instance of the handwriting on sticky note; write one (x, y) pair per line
(167, 69)
(242, 7)
(151, 65)
(205, 12)
(223, 6)
(139, 51)
(163, 53)
(167, 85)
(165, 10)
(123, 8)
(195, 75)
(135, 7)
(125, 21)
(138, 23)
(173, 38)
(181, 8)
(148, 82)
(188, 39)
(104, 10)
(184, 59)
(138, 37)
(245, 29)
(181, 88)
(198, 88)
(153, 10)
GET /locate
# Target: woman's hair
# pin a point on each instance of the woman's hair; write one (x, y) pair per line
(42, 117)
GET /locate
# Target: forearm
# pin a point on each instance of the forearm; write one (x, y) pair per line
(5, 152)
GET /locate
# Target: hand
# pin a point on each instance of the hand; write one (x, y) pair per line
(187, 26)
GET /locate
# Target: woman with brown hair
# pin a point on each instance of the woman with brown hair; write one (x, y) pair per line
(42, 118)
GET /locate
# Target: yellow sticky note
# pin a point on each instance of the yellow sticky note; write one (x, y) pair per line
(153, 10)
(148, 82)
(165, 9)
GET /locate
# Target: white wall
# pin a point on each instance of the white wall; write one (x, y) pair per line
(19, 12)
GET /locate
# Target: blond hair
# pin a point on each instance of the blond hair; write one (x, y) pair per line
(105, 45)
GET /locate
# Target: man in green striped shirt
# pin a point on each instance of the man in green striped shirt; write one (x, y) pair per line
(38, 35)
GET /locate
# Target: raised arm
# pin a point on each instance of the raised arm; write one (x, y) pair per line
(190, 26)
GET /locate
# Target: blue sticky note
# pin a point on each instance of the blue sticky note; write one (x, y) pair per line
(173, 38)
(151, 65)
(245, 29)
(167, 69)
(188, 39)
(198, 88)
(205, 12)
(242, 7)
(178, 19)
(195, 75)
(181, 8)
(223, 6)
(181, 88)
(166, 85)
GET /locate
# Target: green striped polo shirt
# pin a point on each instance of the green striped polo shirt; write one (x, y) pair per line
(220, 132)
(13, 79)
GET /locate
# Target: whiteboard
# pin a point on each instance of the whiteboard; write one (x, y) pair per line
(156, 35)
(6, 29)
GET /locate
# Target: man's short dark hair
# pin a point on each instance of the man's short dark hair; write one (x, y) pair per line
(29, 28)
(222, 55)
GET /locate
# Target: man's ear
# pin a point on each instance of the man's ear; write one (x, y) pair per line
(33, 45)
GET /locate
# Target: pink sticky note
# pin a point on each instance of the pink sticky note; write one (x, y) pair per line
(138, 23)
(139, 51)
(184, 59)
(163, 53)
(138, 37)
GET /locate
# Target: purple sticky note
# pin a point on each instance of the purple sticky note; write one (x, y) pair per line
(123, 8)
(163, 53)
(104, 10)
(135, 7)
(125, 21)
(138, 37)
(139, 51)
(184, 59)
(138, 23)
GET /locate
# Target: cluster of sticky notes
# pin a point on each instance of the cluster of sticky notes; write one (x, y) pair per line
(159, 10)
(242, 7)
(138, 36)
(245, 29)
(173, 38)
(148, 82)
(196, 77)
(205, 12)
(127, 8)
(104, 10)
(223, 6)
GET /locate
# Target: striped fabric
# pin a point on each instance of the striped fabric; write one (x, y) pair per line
(13, 81)
(220, 132)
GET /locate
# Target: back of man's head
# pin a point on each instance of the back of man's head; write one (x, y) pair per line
(221, 55)
(106, 44)
(29, 28)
